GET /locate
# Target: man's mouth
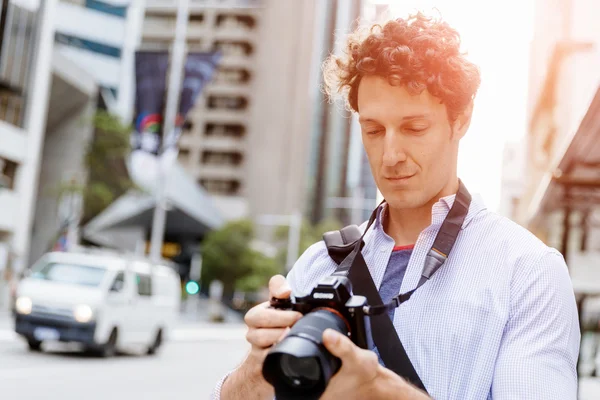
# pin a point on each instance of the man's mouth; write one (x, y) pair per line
(399, 178)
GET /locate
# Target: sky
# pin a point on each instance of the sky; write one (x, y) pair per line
(496, 36)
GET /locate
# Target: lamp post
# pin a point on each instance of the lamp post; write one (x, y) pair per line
(175, 77)
(357, 203)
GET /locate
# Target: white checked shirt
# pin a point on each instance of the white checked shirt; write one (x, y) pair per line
(497, 321)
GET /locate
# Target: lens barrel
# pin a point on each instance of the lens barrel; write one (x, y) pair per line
(300, 367)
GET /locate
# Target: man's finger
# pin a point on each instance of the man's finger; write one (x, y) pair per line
(283, 334)
(279, 288)
(339, 345)
(264, 338)
(260, 317)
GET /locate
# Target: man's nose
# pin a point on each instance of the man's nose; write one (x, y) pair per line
(393, 151)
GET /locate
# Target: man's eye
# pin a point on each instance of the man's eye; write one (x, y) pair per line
(374, 131)
(416, 130)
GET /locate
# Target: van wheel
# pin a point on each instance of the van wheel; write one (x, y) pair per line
(109, 349)
(34, 345)
(156, 344)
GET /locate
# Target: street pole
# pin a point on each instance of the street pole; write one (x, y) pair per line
(357, 203)
(293, 239)
(294, 222)
(175, 77)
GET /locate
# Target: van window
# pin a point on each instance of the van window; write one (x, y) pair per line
(119, 283)
(144, 284)
(82, 275)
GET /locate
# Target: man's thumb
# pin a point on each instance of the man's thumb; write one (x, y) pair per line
(278, 287)
(339, 345)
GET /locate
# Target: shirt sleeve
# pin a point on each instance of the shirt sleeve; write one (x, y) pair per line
(216, 394)
(540, 346)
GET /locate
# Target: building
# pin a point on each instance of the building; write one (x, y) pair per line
(512, 185)
(560, 201)
(243, 141)
(39, 89)
(562, 175)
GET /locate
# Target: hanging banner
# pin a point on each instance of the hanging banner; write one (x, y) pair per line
(199, 71)
(151, 83)
(151, 147)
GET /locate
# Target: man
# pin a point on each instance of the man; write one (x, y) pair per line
(498, 320)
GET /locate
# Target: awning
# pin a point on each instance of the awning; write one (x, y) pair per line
(575, 182)
(191, 211)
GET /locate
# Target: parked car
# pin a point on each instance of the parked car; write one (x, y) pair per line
(107, 302)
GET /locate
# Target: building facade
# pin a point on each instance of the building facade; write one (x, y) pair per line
(241, 141)
(560, 201)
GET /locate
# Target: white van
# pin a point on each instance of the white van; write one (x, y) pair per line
(107, 302)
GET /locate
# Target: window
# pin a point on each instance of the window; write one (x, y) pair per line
(222, 158)
(8, 170)
(227, 102)
(221, 186)
(234, 48)
(119, 283)
(72, 274)
(144, 284)
(235, 131)
(184, 156)
(196, 18)
(236, 21)
(232, 75)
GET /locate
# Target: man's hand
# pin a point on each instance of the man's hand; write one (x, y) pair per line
(361, 376)
(266, 326)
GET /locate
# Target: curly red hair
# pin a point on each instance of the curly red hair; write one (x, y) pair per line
(418, 52)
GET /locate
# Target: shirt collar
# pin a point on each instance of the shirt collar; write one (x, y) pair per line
(440, 210)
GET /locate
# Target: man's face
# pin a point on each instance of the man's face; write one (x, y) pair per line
(410, 143)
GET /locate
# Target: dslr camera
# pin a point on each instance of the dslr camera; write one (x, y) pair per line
(300, 367)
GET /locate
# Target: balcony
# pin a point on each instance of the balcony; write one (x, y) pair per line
(223, 144)
(196, 5)
(223, 116)
(220, 172)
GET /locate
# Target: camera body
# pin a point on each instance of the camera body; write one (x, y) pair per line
(299, 367)
(334, 293)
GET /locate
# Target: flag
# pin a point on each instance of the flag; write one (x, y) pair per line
(151, 83)
(199, 71)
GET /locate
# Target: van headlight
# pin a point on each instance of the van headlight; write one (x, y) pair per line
(23, 305)
(83, 313)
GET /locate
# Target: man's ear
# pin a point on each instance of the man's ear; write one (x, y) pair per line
(462, 123)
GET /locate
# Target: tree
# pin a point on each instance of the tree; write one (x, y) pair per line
(228, 256)
(108, 177)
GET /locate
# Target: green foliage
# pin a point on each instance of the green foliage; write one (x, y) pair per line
(105, 160)
(227, 256)
(309, 235)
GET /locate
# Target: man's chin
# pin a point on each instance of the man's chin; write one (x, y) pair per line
(405, 199)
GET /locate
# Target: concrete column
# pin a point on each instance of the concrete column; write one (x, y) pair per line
(131, 42)
(35, 126)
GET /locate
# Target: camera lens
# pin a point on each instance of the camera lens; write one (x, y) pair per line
(301, 372)
(299, 367)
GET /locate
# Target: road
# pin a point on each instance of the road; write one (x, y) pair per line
(186, 368)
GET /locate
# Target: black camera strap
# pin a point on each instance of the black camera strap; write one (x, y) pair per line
(345, 246)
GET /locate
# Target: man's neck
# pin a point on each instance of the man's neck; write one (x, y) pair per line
(405, 225)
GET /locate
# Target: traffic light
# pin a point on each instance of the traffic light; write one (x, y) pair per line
(192, 287)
